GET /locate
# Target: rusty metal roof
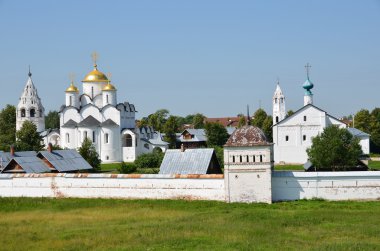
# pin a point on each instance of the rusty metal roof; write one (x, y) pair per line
(247, 136)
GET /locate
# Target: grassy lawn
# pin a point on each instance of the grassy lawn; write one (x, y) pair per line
(374, 164)
(113, 168)
(289, 168)
(99, 224)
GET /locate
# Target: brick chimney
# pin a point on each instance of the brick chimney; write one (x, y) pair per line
(50, 148)
(12, 151)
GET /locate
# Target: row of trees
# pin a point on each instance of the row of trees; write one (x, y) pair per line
(369, 122)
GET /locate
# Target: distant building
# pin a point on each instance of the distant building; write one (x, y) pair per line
(190, 161)
(293, 135)
(225, 121)
(192, 138)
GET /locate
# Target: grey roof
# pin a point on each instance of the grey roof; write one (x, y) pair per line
(90, 121)
(357, 133)
(70, 124)
(190, 161)
(30, 164)
(66, 160)
(5, 157)
(109, 123)
(157, 140)
(199, 135)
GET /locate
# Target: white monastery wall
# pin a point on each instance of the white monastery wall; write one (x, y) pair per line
(288, 185)
(192, 187)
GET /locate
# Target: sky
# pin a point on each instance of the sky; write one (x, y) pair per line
(214, 57)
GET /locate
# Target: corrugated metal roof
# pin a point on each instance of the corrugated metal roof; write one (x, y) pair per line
(90, 121)
(199, 135)
(5, 157)
(31, 164)
(157, 140)
(66, 160)
(357, 132)
(190, 161)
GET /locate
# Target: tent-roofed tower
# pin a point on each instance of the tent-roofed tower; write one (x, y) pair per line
(279, 111)
(30, 107)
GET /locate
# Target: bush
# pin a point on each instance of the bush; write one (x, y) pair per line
(126, 167)
(149, 160)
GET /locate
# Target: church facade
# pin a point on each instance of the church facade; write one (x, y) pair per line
(292, 135)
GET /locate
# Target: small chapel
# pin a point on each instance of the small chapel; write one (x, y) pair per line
(94, 114)
(292, 135)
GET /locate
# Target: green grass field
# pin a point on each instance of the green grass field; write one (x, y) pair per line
(289, 168)
(374, 164)
(100, 224)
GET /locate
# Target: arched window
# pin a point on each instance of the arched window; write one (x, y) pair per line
(106, 138)
(67, 138)
(281, 100)
(275, 100)
(32, 113)
(23, 112)
(128, 140)
(84, 135)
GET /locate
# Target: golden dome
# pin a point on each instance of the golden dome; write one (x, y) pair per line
(95, 76)
(109, 87)
(72, 88)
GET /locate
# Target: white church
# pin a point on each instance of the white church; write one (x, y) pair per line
(95, 114)
(292, 135)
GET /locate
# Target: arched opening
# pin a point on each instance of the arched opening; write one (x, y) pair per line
(276, 119)
(23, 112)
(32, 113)
(106, 138)
(128, 140)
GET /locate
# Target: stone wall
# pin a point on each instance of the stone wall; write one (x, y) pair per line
(288, 185)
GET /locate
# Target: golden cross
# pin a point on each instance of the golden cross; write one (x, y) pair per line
(109, 75)
(72, 77)
(94, 56)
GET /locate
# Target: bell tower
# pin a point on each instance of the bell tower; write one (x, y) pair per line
(278, 105)
(30, 107)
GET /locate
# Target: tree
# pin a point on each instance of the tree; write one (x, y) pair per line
(334, 149)
(216, 133)
(52, 120)
(258, 118)
(149, 160)
(289, 113)
(242, 121)
(362, 120)
(28, 139)
(170, 129)
(267, 128)
(7, 127)
(158, 119)
(88, 152)
(198, 121)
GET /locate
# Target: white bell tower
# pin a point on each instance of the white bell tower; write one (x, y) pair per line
(30, 107)
(278, 105)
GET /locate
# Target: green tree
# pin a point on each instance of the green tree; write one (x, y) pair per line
(219, 152)
(7, 127)
(170, 129)
(149, 160)
(28, 139)
(267, 128)
(216, 133)
(289, 113)
(88, 152)
(258, 118)
(376, 113)
(158, 119)
(334, 149)
(198, 121)
(362, 120)
(242, 121)
(52, 120)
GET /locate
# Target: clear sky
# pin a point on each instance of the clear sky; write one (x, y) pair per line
(208, 56)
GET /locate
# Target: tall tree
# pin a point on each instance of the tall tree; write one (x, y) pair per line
(258, 118)
(267, 128)
(334, 149)
(170, 129)
(362, 120)
(198, 121)
(7, 127)
(242, 121)
(289, 113)
(158, 119)
(28, 139)
(52, 120)
(216, 133)
(88, 152)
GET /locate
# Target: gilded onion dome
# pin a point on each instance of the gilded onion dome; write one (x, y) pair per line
(72, 88)
(95, 76)
(109, 87)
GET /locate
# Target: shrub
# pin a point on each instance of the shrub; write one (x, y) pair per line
(126, 167)
(149, 160)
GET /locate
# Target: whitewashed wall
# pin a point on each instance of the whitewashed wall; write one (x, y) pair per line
(288, 185)
(192, 187)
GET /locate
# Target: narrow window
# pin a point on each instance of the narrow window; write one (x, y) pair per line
(304, 118)
(286, 138)
(241, 158)
(93, 136)
(304, 137)
(32, 113)
(107, 99)
(261, 158)
(281, 100)
(84, 135)
(247, 158)
(23, 113)
(92, 92)
(71, 100)
(275, 100)
(276, 119)
(233, 159)
(106, 138)
(254, 158)
(128, 140)
(67, 138)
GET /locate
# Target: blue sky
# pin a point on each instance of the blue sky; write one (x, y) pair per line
(213, 57)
